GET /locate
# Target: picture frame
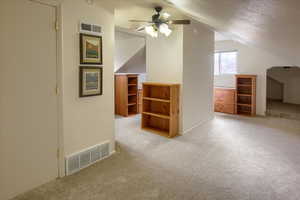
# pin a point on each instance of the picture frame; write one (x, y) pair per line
(91, 49)
(90, 81)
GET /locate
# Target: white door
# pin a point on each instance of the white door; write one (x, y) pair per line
(29, 108)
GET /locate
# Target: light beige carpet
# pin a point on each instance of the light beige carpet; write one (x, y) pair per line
(283, 110)
(229, 158)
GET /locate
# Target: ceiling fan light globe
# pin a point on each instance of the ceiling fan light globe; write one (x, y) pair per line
(168, 32)
(151, 31)
(164, 29)
(166, 15)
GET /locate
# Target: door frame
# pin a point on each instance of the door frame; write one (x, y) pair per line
(56, 4)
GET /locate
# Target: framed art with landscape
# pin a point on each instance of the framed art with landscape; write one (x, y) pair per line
(90, 49)
(90, 81)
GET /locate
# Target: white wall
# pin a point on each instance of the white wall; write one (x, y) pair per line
(198, 51)
(136, 64)
(186, 58)
(274, 89)
(164, 57)
(86, 121)
(292, 94)
(126, 46)
(250, 61)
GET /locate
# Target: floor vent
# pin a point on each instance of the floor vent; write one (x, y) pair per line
(87, 157)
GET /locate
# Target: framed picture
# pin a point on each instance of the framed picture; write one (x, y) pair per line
(90, 81)
(90, 49)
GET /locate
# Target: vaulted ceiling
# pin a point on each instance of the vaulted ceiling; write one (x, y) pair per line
(272, 25)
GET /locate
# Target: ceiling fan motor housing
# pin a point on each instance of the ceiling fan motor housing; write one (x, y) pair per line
(158, 9)
(156, 18)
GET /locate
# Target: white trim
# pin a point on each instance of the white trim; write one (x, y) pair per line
(60, 141)
(53, 3)
(59, 45)
(197, 125)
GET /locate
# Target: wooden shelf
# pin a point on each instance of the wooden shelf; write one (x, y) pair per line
(157, 115)
(242, 104)
(126, 94)
(131, 114)
(160, 107)
(244, 113)
(140, 100)
(157, 131)
(244, 85)
(156, 99)
(246, 94)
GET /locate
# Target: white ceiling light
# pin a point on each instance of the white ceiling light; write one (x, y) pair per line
(150, 30)
(164, 29)
(153, 30)
(166, 15)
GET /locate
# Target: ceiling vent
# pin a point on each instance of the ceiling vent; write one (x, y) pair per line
(90, 28)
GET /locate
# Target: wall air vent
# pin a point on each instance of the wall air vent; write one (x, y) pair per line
(87, 157)
(90, 28)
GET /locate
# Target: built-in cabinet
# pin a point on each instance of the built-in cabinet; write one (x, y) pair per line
(225, 100)
(240, 100)
(160, 108)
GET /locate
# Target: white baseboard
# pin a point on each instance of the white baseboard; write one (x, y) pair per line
(197, 125)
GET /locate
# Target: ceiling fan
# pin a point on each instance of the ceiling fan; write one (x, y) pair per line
(159, 23)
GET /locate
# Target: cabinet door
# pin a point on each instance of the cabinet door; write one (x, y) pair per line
(224, 100)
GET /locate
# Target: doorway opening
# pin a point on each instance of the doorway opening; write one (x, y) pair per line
(130, 73)
(283, 99)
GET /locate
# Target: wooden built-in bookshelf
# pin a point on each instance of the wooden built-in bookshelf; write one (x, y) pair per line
(126, 90)
(160, 108)
(246, 94)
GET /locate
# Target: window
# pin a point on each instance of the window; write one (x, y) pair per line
(226, 62)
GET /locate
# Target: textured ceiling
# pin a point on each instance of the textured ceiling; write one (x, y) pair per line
(272, 25)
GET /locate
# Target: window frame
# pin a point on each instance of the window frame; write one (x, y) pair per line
(219, 63)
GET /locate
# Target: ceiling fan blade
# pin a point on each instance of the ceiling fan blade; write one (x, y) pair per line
(133, 20)
(184, 21)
